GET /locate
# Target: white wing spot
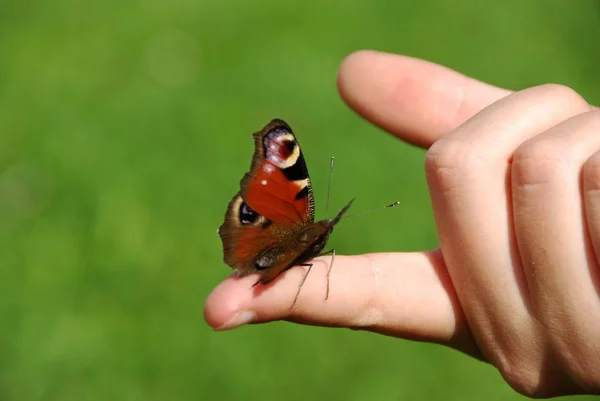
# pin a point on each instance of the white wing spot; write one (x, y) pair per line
(285, 137)
(301, 183)
(263, 182)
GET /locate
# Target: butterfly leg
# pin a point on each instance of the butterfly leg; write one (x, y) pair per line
(310, 265)
(332, 252)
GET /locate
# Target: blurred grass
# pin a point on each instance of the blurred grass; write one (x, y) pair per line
(124, 131)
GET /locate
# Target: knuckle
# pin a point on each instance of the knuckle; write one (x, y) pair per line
(522, 377)
(449, 162)
(539, 161)
(547, 158)
(565, 93)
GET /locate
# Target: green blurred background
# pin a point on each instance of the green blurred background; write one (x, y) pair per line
(124, 130)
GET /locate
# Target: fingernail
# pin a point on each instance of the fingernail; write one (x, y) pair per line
(239, 319)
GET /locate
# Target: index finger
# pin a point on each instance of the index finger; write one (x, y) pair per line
(407, 295)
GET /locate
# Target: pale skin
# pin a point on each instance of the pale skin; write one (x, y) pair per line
(514, 179)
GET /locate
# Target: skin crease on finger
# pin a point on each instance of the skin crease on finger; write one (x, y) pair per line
(413, 123)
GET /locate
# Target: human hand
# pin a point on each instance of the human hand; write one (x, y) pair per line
(514, 180)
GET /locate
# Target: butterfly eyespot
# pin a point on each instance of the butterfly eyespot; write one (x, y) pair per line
(247, 214)
(290, 146)
(281, 148)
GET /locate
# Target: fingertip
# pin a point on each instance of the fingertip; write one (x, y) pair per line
(238, 301)
(393, 92)
(212, 314)
(357, 79)
(225, 302)
(352, 66)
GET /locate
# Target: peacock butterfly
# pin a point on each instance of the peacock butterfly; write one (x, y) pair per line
(269, 225)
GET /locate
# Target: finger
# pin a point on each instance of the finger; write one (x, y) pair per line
(414, 99)
(404, 295)
(557, 256)
(467, 173)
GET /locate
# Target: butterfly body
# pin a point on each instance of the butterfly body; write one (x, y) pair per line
(269, 224)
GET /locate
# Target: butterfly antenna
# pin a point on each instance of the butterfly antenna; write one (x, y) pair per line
(329, 187)
(372, 210)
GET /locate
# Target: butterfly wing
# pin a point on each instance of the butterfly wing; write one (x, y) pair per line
(275, 201)
(245, 234)
(278, 186)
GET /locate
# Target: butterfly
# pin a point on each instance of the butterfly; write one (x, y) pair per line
(269, 225)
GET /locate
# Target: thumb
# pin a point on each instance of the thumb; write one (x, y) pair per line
(416, 100)
(406, 295)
